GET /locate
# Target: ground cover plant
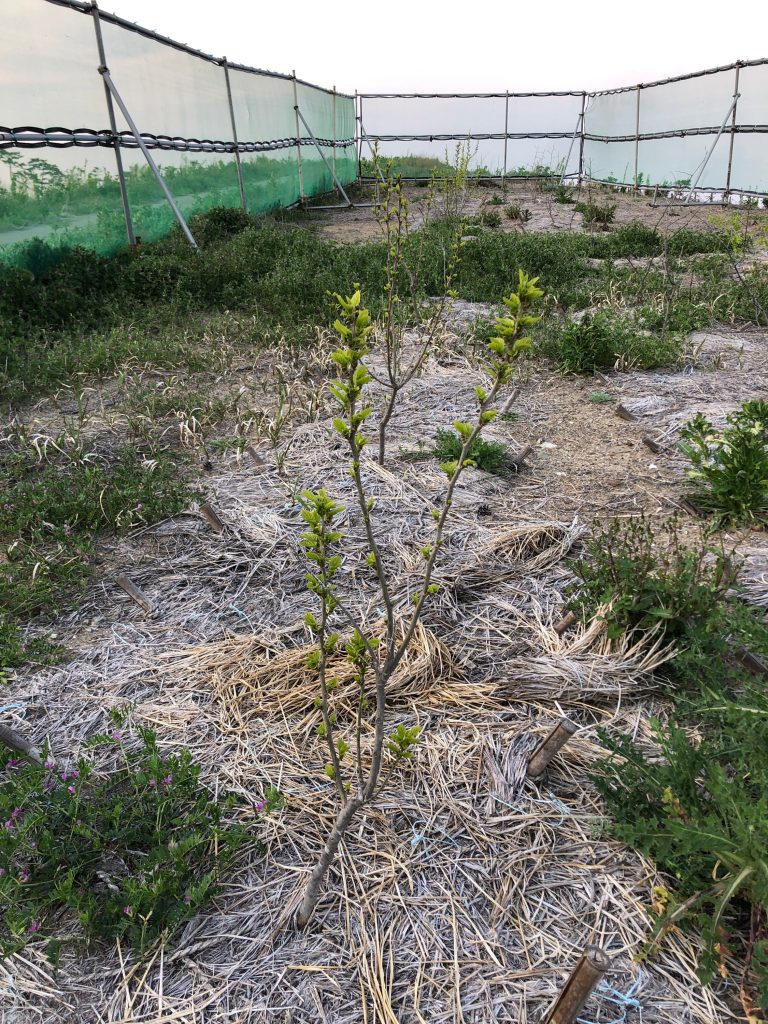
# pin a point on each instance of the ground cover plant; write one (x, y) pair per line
(729, 468)
(59, 497)
(130, 853)
(606, 339)
(490, 456)
(696, 805)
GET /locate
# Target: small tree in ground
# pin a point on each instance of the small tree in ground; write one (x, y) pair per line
(372, 656)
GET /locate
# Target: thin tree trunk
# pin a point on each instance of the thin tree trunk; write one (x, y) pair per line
(312, 891)
(385, 423)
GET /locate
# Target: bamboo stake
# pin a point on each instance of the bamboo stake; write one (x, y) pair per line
(135, 593)
(653, 445)
(549, 746)
(585, 976)
(625, 414)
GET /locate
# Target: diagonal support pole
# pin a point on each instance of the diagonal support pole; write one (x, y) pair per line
(319, 149)
(113, 128)
(147, 155)
(711, 149)
(577, 131)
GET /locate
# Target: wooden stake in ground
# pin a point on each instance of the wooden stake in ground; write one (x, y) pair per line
(549, 746)
(17, 743)
(586, 974)
(211, 516)
(135, 593)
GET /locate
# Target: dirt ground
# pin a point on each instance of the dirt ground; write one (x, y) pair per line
(667, 213)
(468, 893)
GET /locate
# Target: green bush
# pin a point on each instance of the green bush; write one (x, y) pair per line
(644, 583)
(490, 456)
(729, 469)
(701, 812)
(603, 340)
(594, 213)
(517, 212)
(130, 853)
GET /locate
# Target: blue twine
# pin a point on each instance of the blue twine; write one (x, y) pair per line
(242, 615)
(626, 1000)
(10, 707)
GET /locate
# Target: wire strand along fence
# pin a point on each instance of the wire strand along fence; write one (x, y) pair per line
(704, 130)
(137, 130)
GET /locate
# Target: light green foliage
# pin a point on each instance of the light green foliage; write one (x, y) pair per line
(729, 468)
(372, 656)
(600, 397)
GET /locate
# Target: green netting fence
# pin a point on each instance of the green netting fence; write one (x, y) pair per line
(71, 168)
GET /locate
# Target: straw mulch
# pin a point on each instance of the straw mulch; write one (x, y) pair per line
(466, 893)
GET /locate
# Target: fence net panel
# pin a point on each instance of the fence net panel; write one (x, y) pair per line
(58, 171)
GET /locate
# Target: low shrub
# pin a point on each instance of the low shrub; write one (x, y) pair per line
(729, 468)
(130, 852)
(595, 213)
(517, 212)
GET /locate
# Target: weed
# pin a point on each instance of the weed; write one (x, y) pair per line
(490, 218)
(633, 581)
(729, 469)
(59, 496)
(594, 213)
(604, 340)
(133, 854)
(517, 212)
(495, 200)
(600, 397)
(562, 194)
(490, 456)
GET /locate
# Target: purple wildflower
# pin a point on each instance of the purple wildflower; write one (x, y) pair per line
(128, 911)
(70, 789)
(166, 781)
(34, 927)
(151, 783)
(23, 875)
(50, 765)
(259, 806)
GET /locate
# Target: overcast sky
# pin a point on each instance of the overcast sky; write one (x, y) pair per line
(486, 46)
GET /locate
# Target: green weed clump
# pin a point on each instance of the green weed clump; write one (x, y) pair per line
(604, 340)
(130, 852)
(519, 213)
(699, 808)
(595, 213)
(490, 456)
(729, 468)
(634, 580)
(56, 504)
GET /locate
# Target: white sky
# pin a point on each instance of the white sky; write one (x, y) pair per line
(484, 46)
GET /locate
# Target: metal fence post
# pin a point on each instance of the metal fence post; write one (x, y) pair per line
(727, 196)
(333, 157)
(637, 133)
(359, 134)
(581, 139)
(298, 140)
(506, 139)
(243, 200)
(113, 128)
